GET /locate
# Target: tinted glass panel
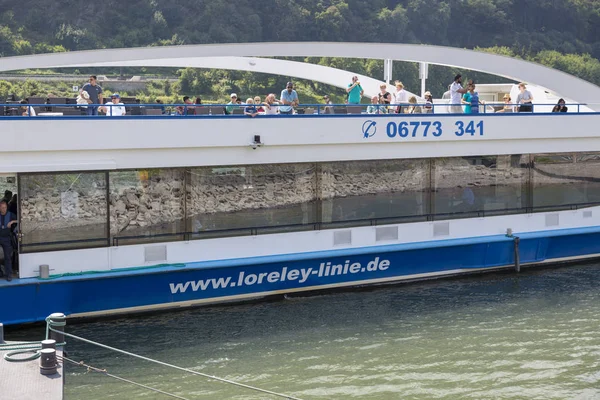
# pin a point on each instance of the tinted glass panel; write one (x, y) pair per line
(147, 205)
(370, 190)
(234, 200)
(468, 186)
(566, 180)
(63, 211)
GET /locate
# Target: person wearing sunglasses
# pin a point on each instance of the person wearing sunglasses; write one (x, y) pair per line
(95, 92)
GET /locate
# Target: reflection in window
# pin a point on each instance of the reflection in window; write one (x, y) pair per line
(480, 185)
(367, 190)
(147, 205)
(66, 210)
(566, 180)
(260, 196)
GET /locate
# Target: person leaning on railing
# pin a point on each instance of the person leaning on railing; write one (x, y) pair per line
(250, 109)
(289, 99)
(271, 105)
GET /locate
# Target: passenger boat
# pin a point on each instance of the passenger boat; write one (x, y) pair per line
(138, 213)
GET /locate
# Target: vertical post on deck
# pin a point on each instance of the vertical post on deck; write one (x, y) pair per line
(387, 70)
(423, 75)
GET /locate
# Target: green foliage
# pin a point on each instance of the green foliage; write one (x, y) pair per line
(560, 34)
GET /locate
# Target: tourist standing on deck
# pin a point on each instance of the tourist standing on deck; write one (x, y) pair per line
(95, 92)
(328, 109)
(289, 99)
(232, 105)
(7, 220)
(188, 107)
(428, 107)
(524, 99)
(401, 98)
(355, 91)
(456, 90)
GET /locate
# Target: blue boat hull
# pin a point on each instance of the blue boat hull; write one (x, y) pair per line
(106, 293)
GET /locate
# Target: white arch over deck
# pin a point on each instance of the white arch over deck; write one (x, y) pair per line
(552, 80)
(328, 75)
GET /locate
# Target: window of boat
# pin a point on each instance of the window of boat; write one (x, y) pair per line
(566, 180)
(477, 186)
(147, 205)
(244, 200)
(63, 211)
(358, 192)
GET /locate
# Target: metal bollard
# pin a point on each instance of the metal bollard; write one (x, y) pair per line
(44, 271)
(49, 344)
(48, 365)
(1, 333)
(58, 337)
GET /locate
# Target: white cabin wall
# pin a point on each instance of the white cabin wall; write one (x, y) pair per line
(96, 144)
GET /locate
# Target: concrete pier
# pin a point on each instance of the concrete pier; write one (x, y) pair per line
(23, 380)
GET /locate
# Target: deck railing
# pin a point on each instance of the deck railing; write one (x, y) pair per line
(211, 110)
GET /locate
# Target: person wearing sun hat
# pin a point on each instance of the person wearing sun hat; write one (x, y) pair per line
(428, 107)
(232, 104)
(114, 108)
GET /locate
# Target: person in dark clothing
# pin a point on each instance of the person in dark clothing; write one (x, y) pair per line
(560, 107)
(7, 196)
(12, 204)
(7, 224)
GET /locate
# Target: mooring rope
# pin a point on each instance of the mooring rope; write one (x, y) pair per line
(105, 372)
(190, 371)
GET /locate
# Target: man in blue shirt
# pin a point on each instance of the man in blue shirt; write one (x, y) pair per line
(95, 91)
(7, 221)
(355, 91)
(289, 99)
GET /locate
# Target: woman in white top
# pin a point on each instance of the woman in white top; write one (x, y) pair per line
(401, 97)
(524, 99)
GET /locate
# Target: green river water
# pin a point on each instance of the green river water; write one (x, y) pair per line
(494, 336)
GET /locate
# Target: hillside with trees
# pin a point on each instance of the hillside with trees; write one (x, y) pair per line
(561, 34)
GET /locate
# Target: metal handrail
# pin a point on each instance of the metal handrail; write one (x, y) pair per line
(17, 109)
